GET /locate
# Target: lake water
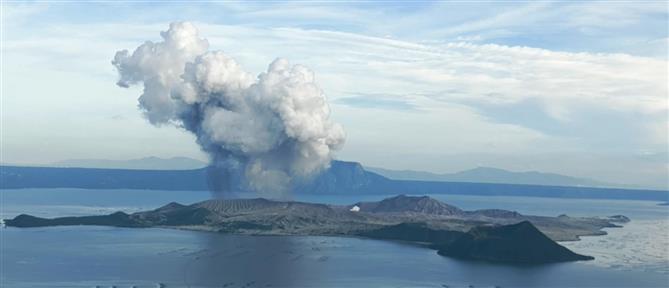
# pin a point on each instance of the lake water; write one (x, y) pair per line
(636, 255)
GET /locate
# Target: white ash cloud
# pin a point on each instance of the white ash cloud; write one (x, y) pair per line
(269, 131)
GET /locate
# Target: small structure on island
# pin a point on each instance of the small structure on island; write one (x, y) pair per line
(355, 209)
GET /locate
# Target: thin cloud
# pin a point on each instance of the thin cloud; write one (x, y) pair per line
(512, 82)
(377, 101)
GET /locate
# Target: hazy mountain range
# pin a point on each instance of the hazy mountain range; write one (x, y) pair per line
(476, 175)
(146, 163)
(342, 178)
(493, 175)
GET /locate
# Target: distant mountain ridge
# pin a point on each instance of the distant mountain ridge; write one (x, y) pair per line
(146, 163)
(342, 178)
(493, 175)
(355, 171)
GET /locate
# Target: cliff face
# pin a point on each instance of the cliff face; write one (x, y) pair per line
(349, 178)
(517, 243)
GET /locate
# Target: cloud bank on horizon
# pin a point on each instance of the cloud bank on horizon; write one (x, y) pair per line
(575, 88)
(270, 130)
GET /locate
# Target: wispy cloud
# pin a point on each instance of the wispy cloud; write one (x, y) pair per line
(377, 101)
(515, 80)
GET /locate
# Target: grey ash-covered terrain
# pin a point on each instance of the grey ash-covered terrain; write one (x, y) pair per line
(424, 220)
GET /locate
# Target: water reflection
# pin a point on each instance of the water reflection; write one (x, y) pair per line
(90, 256)
(264, 261)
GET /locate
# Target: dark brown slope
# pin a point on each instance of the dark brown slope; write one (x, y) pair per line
(517, 243)
(409, 204)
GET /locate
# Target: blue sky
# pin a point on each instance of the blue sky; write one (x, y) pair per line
(577, 88)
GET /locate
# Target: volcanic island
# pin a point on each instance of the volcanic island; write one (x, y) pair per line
(491, 235)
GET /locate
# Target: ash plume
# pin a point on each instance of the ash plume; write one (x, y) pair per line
(262, 133)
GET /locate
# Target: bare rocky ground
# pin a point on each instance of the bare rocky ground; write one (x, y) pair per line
(415, 219)
(266, 217)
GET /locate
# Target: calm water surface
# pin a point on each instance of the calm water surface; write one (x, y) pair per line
(633, 256)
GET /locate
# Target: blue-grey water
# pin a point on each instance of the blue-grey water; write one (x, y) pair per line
(636, 255)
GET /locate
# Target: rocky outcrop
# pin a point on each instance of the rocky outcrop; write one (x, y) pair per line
(517, 243)
(409, 204)
(118, 219)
